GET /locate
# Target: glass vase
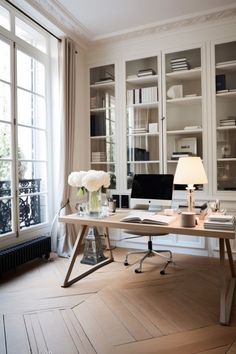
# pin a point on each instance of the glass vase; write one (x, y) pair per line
(81, 202)
(94, 204)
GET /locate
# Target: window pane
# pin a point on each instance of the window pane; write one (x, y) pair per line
(31, 109)
(5, 102)
(5, 176)
(5, 61)
(32, 144)
(4, 18)
(5, 141)
(32, 210)
(5, 203)
(33, 171)
(30, 35)
(30, 74)
(5, 215)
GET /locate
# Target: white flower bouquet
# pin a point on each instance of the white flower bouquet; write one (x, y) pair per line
(91, 181)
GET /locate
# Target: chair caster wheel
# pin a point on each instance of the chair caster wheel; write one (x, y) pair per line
(162, 272)
(137, 271)
(126, 263)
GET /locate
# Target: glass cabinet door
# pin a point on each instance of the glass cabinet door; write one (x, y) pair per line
(225, 86)
(102, 120)
(184, 117)
(143, 122)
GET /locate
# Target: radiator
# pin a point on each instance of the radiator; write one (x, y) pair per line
(14, 256)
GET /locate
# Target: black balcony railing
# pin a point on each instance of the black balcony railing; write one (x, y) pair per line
(29, 205)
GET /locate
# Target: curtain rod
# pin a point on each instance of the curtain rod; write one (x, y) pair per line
(32, 19)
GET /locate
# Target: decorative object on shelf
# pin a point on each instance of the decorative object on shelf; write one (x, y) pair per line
(220, 82)
(187, 145)
(91, 182)
(153, 128)
(93, 250)
(190, 171)
(226, 151)
(175, 91)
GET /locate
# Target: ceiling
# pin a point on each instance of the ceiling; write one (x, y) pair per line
(103, 18)
(89, 21)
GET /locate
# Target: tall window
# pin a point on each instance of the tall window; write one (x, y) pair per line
(24, 128)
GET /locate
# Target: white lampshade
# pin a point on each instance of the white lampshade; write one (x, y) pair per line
(190, 171)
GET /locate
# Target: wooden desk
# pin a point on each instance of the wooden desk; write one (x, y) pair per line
(113, 222)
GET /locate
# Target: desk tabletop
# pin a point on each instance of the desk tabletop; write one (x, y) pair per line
(114, 221)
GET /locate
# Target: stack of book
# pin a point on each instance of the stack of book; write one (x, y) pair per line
(220, 222)
(104, 80)
(98, 156)
(93, 102)
(177, 154)
(229, 121)
(146, 72)
(179, 64)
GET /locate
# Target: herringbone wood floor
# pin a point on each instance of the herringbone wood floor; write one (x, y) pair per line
(115, 310)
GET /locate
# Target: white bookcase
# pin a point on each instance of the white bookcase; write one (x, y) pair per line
(183, 102)
(152, 123)
(143, 118)
(225, 116)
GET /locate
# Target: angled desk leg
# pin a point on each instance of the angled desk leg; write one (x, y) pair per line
(227, 288)
(75, 252)
(107, 240)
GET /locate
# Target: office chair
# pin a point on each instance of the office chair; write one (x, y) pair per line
(150, 188)
(150, 252)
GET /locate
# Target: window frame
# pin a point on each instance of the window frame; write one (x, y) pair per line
(18, 44)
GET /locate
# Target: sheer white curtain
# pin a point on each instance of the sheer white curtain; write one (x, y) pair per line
(63, 236)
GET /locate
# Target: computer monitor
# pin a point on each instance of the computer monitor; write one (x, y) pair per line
(151, 191)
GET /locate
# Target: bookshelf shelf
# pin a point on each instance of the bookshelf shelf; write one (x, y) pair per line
(144, 105)
(185, 131)
(183, 75)
(185, 100)
(142, 80)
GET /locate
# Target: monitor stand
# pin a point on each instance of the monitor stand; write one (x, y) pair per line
(154, 208)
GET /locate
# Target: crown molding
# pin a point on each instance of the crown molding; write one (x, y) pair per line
(59, 16)
(173, 25)
(53, 12)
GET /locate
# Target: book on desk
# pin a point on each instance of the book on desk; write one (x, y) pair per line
(148, 218)
(220, 222)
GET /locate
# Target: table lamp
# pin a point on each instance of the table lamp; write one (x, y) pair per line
(190, 171)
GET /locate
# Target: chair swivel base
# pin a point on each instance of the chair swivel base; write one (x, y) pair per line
(150, 253)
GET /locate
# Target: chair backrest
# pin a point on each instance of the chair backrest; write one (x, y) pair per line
(151, 191)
